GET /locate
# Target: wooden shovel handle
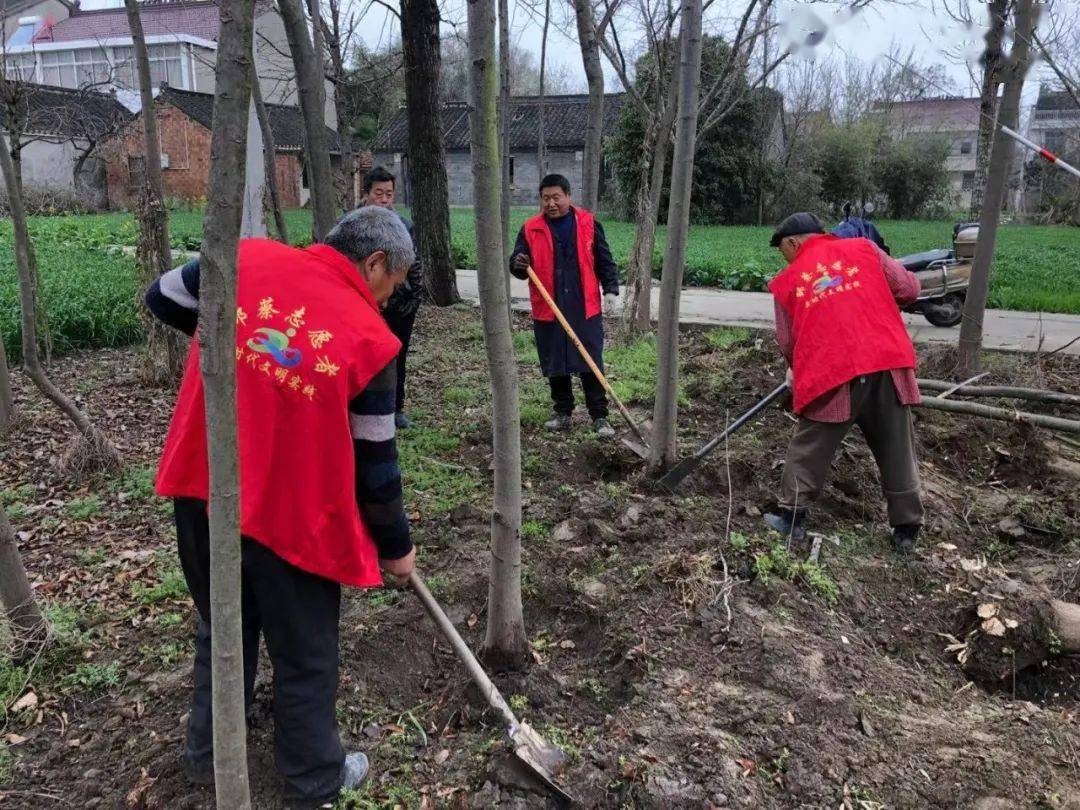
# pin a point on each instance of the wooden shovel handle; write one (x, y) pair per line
(584, 353)
(461, 649)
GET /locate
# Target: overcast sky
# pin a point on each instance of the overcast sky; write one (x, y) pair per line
(868, 35)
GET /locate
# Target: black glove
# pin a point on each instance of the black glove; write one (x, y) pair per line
(521, 263)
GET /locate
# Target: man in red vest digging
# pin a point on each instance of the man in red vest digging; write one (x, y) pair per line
(568, 251)
(320, 497)
(851, 362)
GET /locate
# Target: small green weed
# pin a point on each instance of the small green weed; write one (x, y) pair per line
(12, 495)
(778, 562)
(558, 737)
(5, 763)
(727, 337)
(738, 541)
(167, 620)
(460, 395)
(17, 511)
(534, 530)
(135, 482)
(519, 703)
(383, 597)
(84, 508)
(92, 678)
(525, 348)
(171, 584)
(90, 557)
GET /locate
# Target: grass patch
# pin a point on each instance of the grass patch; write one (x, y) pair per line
(460, 395)
(631, 370)
(778, 562)
(170, 586)
(136, 482)
(726, 337)
(431, 475)
(90, 557)
(534, 530)
(84, 508)
(92, 678)
(525, 348)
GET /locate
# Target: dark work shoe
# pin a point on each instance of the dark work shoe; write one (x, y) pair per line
(354, 771)
(560, 421)
(905, 538)
(401, 421)
(199, 772)
(787, 522)
(603, 428)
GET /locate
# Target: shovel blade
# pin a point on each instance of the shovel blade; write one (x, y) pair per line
(638, 449)
(675, 476)
(542, 758)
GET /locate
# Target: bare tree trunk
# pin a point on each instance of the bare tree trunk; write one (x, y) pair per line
(638, 304)
(308, 65)
(217, 341)
(665, 411)
(971, 328)
(594, 126)
(27, 623)
(505, 116)
(541, 147)
(7, 400)
(28, 628)
(505, 644)
(422, 53)
(165, 347)
(92, 450)
(1001, 414)
(269, 158)
(992, 60)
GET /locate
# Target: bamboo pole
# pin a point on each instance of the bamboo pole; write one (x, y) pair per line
(1002, 414)
(1004, 391)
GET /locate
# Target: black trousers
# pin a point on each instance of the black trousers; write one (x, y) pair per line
(297, 613)
(402, 328)
(562, 394)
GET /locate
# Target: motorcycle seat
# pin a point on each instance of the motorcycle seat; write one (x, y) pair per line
(920, 261)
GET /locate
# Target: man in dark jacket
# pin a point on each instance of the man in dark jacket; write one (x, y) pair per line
(569, 253)
(400, 311)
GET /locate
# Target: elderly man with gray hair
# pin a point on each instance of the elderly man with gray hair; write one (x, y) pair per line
(320, 489)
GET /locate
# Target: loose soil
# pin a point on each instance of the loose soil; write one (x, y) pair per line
(682, 655)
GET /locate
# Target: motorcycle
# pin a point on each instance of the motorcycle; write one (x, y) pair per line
(944, 274)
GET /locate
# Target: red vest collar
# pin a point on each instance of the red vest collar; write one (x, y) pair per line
(348, 271)
(813, 240)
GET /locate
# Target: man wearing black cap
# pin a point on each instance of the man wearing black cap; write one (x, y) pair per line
(850, 362)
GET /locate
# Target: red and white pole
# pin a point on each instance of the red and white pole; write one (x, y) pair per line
(1046, 154)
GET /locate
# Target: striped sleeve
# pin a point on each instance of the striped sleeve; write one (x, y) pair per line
(378, 477)
(174, 297)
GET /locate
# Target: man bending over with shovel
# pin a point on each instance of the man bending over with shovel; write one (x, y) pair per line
(320, 495)
(569, 253)
(851, 362)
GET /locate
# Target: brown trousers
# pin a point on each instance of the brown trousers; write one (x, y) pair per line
(888, 429)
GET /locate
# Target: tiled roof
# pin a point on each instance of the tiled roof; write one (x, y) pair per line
(1055, 100)
(564, 123)
(286, 122)
(67, 113)
(197, 19)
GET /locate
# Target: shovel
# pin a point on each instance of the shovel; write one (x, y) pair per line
(676, 474)
(537, 754)
(641, 449)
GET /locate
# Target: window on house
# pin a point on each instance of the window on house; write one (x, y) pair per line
(82, 67)
(965, 147)
(20, 67)
(1054, 140)
(24, 34)
(166, 66)
(967, 181)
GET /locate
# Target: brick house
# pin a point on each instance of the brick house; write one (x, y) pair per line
(564, 141)
(184, 121)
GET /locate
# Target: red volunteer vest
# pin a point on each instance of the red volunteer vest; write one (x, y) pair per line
(542, 251)
(309, 338)
(845, 320)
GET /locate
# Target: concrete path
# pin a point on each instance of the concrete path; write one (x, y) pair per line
(1004, 329)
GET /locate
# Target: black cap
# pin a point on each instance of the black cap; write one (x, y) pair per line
(795, 225)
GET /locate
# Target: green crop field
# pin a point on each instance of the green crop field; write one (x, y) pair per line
(91, 293)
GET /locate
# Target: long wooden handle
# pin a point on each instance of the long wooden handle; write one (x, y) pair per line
(461, 649)
(584, 353)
